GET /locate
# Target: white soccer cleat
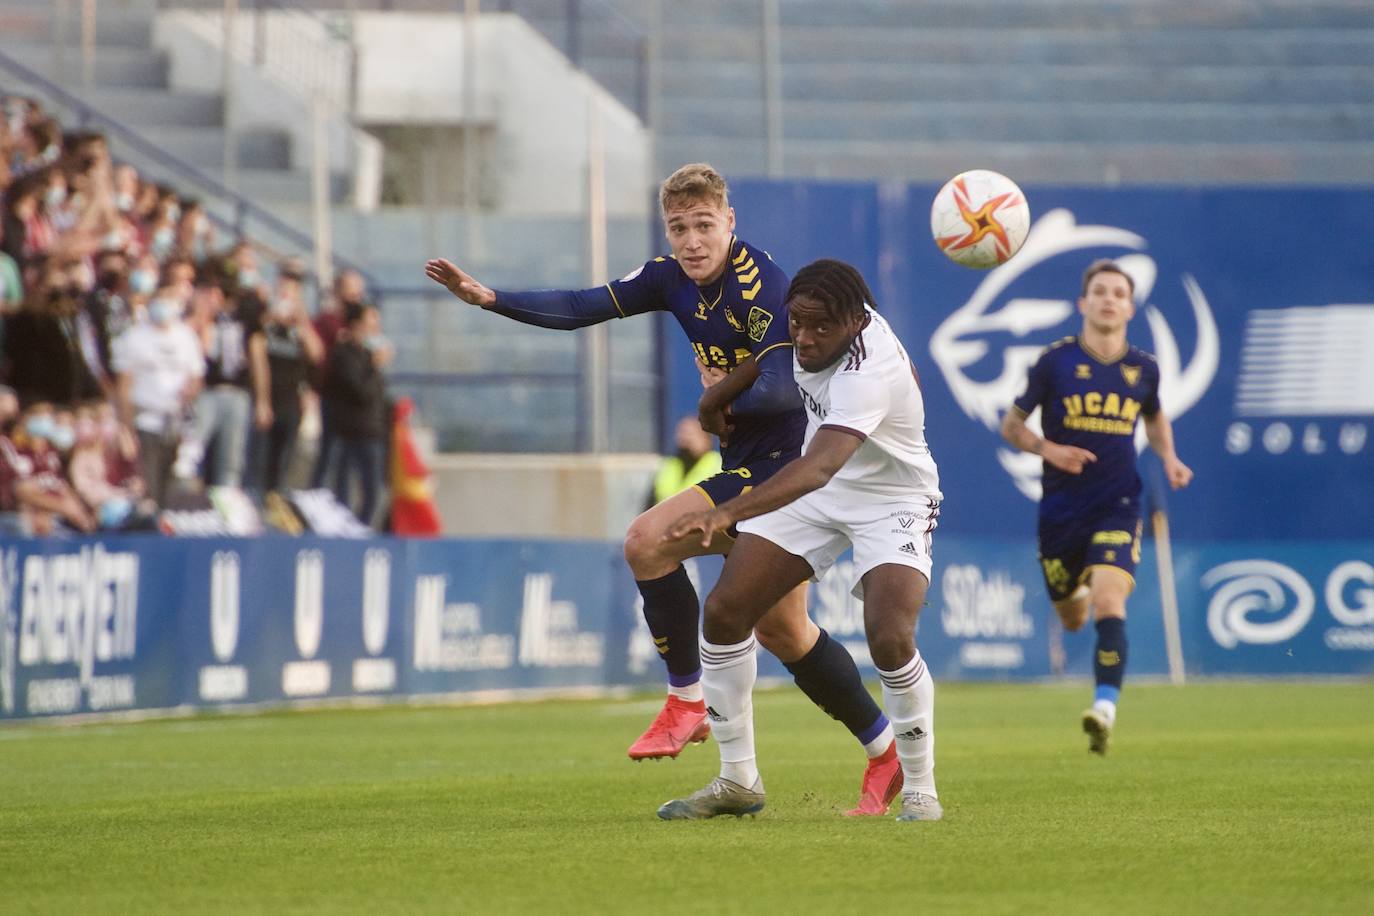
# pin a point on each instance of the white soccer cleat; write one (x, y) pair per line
(918, 806)
(1098, 727)
(721, 796)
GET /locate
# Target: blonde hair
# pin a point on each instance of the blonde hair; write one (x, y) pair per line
(697, 181)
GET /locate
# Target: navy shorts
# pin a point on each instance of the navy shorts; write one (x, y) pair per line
(1069, 551)
(731, 482)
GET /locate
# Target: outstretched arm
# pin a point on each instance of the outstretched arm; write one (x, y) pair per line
(1068, 458)
(828, 452)
(559, 309)
(1160, 433)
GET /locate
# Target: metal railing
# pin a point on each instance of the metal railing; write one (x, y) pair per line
(244, 218)
(567, 24)
(309, 51)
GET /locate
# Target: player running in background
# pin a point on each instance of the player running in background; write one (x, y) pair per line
(728, 297)
(1090, 390)
(867, 480)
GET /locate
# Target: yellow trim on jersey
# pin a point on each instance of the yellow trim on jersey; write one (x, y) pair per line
(1023, 414)
(743, 253)
(615, 300)
(1104, 361)
(760, 355)
(697, 487)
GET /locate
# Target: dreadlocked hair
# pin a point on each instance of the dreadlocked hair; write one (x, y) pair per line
(835, 285)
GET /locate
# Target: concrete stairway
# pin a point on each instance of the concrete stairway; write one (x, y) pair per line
(129, 83)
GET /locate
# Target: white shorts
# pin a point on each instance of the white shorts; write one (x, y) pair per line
(881, 528)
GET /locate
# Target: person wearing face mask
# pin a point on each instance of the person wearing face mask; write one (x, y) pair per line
(43, 342)
(116, 506)
(237, 382)
(159, 367)
(108, 306)
(293, 349)
(33, 488)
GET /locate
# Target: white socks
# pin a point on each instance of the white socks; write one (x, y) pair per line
(909, 699)
(1107, 708)
(879, 745)
(727, 679)
(691, 693)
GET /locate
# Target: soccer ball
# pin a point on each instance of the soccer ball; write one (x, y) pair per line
(979, 218)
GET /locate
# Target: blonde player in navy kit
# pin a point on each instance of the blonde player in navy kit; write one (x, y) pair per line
(728, 296)
(1090, 391)
(866, 480)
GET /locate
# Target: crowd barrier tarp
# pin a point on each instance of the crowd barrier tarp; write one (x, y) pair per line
(101, 625)
(1258, 304)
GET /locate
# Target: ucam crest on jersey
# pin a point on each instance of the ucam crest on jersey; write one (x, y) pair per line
(962, 341)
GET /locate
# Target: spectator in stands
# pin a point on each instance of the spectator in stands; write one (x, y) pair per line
(160, 228)
(11, 281)
(108, 306)
(143, 282)
(126, 188)
(42, 346)
(241, 266)
(293, 349)
(195, 237)
(180, 274)
(28, 233)
(38, 144)
(349, 289)
(237, 386)
(116, 503)
(356, 397)
(31, 479)
(159, 367)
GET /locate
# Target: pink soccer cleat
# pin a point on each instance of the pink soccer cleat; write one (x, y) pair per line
(678, 724)
(882, 783)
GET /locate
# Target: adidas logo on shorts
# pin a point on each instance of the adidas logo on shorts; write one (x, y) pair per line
(908, 547)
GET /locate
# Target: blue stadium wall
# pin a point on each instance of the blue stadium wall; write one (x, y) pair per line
(158, 623)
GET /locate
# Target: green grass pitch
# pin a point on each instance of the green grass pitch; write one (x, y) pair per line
(1217, 798)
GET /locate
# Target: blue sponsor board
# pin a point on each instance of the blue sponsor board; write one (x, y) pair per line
(1279, 609)
(1259, 305)
(151, 623)
(490, 615)
(279, 618)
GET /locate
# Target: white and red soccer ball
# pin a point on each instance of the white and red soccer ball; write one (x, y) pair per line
(980, 218)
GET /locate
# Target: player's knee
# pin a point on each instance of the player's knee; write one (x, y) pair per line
(787, 638)
(1073, 616)
(720, 623)
(891, 647)
(642, 547)
(1110, 606)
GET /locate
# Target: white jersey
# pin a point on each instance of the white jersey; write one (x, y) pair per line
(871, 392)
(160, 361)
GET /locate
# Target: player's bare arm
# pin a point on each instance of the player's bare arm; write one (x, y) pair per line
(457, 281)
(1068, 458)
(1160, 434)
(828, 452)
(713, 408)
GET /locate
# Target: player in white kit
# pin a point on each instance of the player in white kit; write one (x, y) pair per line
(865, 479)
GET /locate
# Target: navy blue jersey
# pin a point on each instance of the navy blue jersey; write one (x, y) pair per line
(740, 315)
(1093, 404)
